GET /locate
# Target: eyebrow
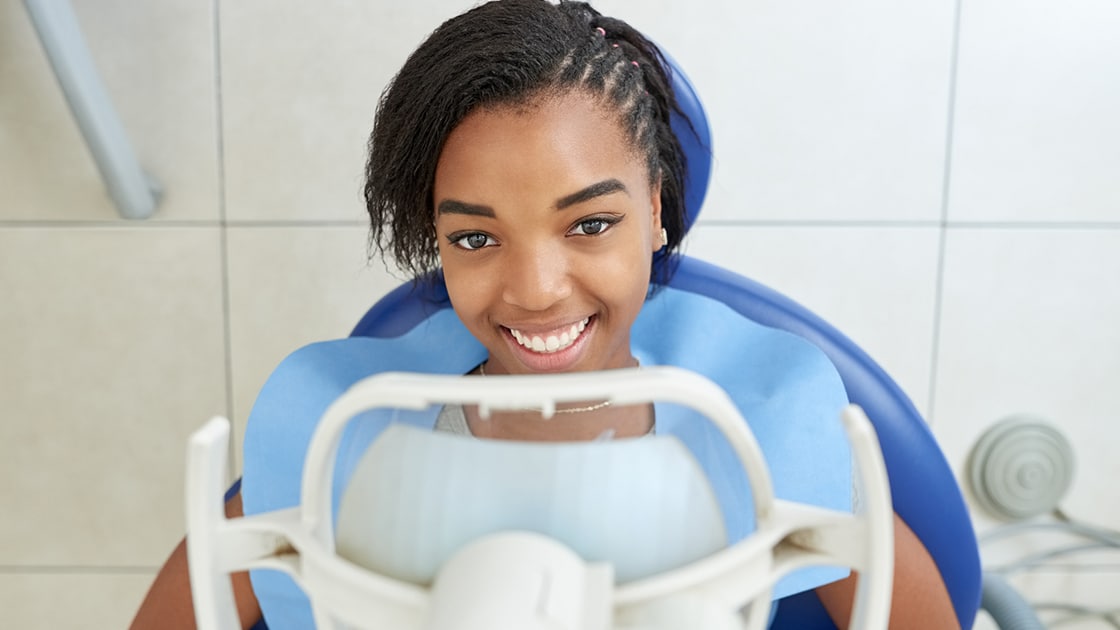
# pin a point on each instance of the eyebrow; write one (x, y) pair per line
(605, 187)
(450, 206)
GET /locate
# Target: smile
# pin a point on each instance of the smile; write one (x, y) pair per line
(552, 342)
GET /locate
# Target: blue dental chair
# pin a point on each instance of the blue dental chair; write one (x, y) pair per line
(923, 488)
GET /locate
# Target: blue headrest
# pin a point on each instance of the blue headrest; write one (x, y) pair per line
(695, 136)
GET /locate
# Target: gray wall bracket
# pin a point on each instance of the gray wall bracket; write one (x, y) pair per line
(135, 193)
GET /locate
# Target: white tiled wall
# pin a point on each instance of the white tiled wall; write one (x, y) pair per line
(1036, 126)
(943, 185)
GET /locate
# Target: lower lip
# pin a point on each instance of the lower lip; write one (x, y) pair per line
(559, 361)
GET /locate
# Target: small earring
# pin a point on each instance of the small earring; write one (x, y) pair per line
(664, 237)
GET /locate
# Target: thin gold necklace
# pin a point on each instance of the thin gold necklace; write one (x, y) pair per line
(595, 407)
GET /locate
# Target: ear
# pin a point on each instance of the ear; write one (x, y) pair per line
(655, 215)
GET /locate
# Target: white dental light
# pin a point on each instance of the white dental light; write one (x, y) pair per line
(385, 571)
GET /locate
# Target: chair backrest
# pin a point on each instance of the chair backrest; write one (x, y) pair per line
(924, 490)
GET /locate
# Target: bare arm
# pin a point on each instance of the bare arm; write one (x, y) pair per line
(168, 602)
(919, 599)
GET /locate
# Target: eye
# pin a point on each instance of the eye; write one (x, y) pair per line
(594, 226)
(471, 240)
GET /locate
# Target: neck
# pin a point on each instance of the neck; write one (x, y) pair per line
(529, 426)
(579, 422)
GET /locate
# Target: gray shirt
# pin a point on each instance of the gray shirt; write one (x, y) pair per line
(452, 420)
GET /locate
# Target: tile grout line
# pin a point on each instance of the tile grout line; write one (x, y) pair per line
(942, 223)
(942, 235)
(223, 230)
(816, 223)
(181, 225)
(778, 223)
(76, 570)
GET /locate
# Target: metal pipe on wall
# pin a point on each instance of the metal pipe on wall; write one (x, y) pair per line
(133, 191)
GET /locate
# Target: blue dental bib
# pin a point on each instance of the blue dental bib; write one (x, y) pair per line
(786, 389)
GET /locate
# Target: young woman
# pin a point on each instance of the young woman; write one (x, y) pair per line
(525, 148)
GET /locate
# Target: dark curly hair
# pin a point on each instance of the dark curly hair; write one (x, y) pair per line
(509, 52)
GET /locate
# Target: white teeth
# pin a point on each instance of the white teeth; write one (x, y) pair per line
(551, 343)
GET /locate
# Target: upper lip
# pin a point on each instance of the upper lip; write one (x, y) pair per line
(545, 328)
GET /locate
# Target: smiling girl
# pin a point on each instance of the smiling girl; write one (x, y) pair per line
(546, 223)
(526, 149)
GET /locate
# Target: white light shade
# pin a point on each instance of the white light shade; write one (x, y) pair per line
(418, 496)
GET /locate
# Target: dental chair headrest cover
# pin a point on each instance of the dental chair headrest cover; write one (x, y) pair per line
(786, 389)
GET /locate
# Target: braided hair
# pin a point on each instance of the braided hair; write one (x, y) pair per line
(508, 53)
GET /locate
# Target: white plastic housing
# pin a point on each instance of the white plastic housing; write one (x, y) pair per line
(300, 541)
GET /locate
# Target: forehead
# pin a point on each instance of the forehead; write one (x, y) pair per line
(553, 141)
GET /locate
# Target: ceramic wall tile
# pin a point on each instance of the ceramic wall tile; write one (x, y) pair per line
(300, 84)
(88, 599)
(1036, 131)
(112, 351)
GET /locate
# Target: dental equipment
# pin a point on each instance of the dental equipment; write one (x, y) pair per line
(472, 587)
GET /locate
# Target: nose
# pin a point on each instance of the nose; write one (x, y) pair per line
(536, 279)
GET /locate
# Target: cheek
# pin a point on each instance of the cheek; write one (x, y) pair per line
(463, 299)
(470, 293)
(622, 280)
